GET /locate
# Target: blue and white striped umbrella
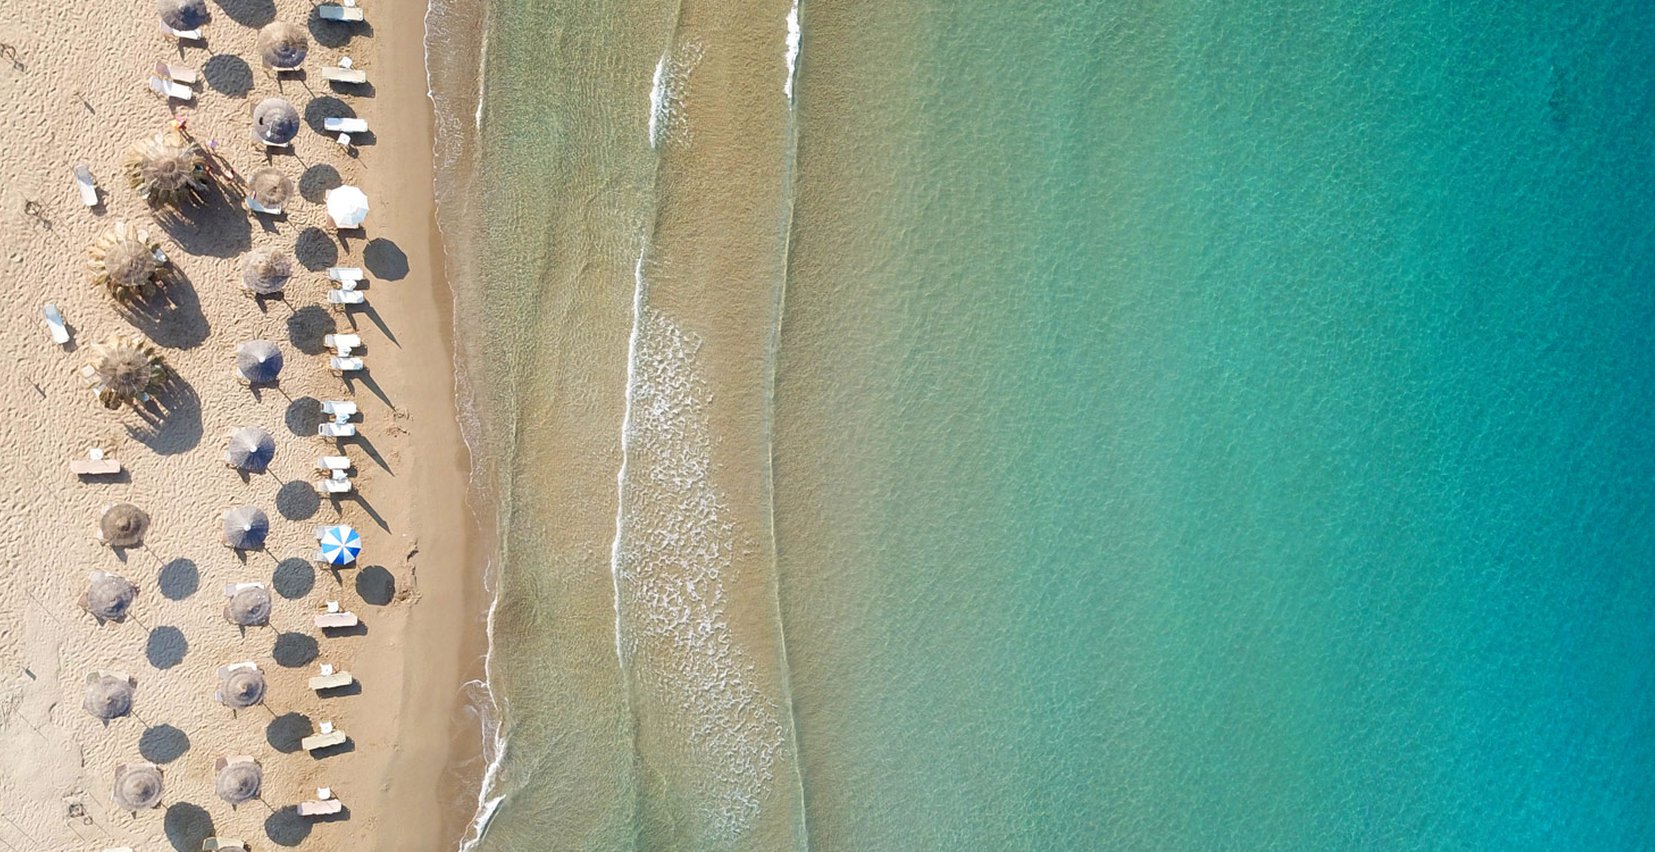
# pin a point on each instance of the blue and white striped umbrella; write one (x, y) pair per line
(340, 545)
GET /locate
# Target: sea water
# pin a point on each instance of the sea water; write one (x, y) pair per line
(1188, 424)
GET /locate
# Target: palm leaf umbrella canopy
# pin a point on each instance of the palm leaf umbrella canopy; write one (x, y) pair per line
(108, 696)
(128, 369)
(241, 688)
(123, 525)
(239, 781)
(138, 786)
(275, 122)
(167, 169)
(258, 361)
(108, 596)
(283, 45)
(347, 206)
(245, 528)
(270, 187)
(250, 449)
(266, 271)
(340, 545)
(124, 261)
(248, 606)
(182, 14)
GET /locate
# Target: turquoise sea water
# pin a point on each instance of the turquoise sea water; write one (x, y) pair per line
(1194, 425)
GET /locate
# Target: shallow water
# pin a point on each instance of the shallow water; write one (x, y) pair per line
(1191, 425)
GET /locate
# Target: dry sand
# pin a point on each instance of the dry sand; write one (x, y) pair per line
(72, 87)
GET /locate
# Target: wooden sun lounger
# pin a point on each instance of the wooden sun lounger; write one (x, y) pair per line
(350, 76)
(336, 619)
(320, 807)
(330, 12)
(330, 679)
(321, 741)
(94, 467)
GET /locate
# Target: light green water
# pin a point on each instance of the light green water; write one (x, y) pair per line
(1193, 424)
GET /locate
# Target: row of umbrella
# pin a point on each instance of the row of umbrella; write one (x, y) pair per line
(109, 695)
(138, 786)
(245, 527)
(108, 597)
(281, 45)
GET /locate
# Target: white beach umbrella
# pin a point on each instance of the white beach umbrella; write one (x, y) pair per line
(348, 206)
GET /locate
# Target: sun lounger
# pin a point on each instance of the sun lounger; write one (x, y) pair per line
(182, 35)
(342, 343)
(334, 485)
(331, 463)
(339, 410)
(349, 76)
(336, 619)
(345, 365)
(256, 207)
(336, 124)
(54, 323)
(320, 808)
(330, 679)
(345, 275)
(181, 73)
(346, 297)
(87, 187)
(168, 88)
(217, 844)
(336, 430)
(94, 464)
(330, 12)
(327, 737)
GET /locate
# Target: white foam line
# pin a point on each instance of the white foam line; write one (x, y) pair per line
(626, 453)
(657, 108)
(792, 54)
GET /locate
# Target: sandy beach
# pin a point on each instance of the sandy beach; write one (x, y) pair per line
(74, 89)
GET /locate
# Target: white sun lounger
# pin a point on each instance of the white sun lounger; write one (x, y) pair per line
(331, 463)
(336, 430)
(330, 679)
(182, 35)
(334, 485)
(168, 88)
(335, 124)
(340, 410)
(320, 808)
(181, 73)
(346, 297)
(345, 365)
(54, 323)
(326, 737)
(350, 76)
(335, 617)
(330, 12)
(256, 207)
(345, 275)
(342, 343)
(87, 187)
(94, 464)
(221, 844)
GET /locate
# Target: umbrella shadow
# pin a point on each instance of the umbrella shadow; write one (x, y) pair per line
(286, 828)
(319, 110)
(215, 226)
(315, 249)
(315, 182)
(298, 500)
(249, 13)
(179, 579)
(173, 317)
(385, 259)
(294, 578)
(166, 647)
(163, 744)
(172, 421)
(308, 327)
(337, 33)
(376, 585)
(187, 825)
(303, 416)
(285, 732)
(293, 650)
(228, 74)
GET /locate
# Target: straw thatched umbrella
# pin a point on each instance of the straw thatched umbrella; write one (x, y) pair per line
(283, 45)
(275, 122)
(138, 786)
(238, 780)
(266, 271)
(250, 449)
(182, 14)
(248, 606)
(258, 362)
(245, 528)
(167, 169)
(128, 369)
(124, 262)
(108, 696)
(123, 525)
(240, 687)
(270, 187)
(108, 596)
